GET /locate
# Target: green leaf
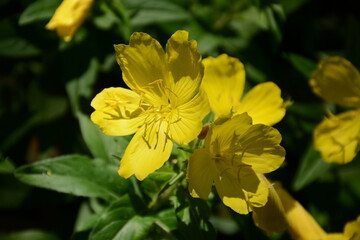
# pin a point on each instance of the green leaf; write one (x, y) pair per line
(312, 166)
(86, 218)
(38, 11)
(17, 47)
(29, 235)
(120, 221)
(110, 148)
(75, 174)
(158, 11)
(6, 166)
(83, 85)
(154, 183)
(302, 64)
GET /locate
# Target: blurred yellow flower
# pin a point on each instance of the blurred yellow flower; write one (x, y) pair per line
(68, 17)
(163, 105)
(338, 136)
(302, 226)
(224, 81)
(235, 152)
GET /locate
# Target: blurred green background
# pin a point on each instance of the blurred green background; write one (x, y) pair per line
(45, 83)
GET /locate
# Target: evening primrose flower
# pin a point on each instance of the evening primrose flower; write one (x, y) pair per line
(163, 105)
(337, 137)
(302, 226)
(235, 152)
(68, 17)
(224, 81)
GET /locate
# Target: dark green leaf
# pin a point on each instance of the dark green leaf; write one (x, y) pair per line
(302, 64)
(17, 47)
(6, 166)
(312, 166)
(75, 174)
(109, 148)
(159, 12)
(120, 222)
(29, 235)
(38, 10)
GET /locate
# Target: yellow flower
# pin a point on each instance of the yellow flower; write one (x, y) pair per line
(235, 151)
(271, 217)
(302, 226)
(68, 17)
(224, 81)
(163, 105)
(338, 137)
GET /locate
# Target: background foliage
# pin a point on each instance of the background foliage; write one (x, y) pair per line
(46, 86)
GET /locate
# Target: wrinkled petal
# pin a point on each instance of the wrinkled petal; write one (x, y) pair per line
(301, 224)
(143, 66)
(337, 137)
(271, 217)
(231, 193)
(185, 66)
(263, 103)
(147, 151)
(352, 229)
(224, 81)
(200, 173)
(68, 17)
(337, 80)
(186, 122)
(261, 148)
(117, 111)
(255, 188)
(225, 131)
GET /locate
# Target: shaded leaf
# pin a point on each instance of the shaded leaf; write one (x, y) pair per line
(110, 148)
(312, 166)
(38, 10)
(120, 221)
(17, 47)
(75, 174)
(302, 64)
(29, 235)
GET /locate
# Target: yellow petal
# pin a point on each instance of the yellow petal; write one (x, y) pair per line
(337, 137)
(263, 103)
(302, 225)
(147, 151)
(223, 82)
(352, 229)
(224, 132)
(185, 67)
(117, 111)
(68, 17)
(261, 149)
(271, 217)
(337, 80)
(200, 173)
(231, 193)
(335, 236)
(143, 66)
(186, 121)
(255, 188)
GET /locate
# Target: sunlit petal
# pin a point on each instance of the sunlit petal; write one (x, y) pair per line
(143, 66)
(186, 121)
(224, 81)
(117, 111)
(263, 103)
(338, 137)
(352, 229)
(147, 151)
(185, 67)
(337, 80)
(200, 177)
